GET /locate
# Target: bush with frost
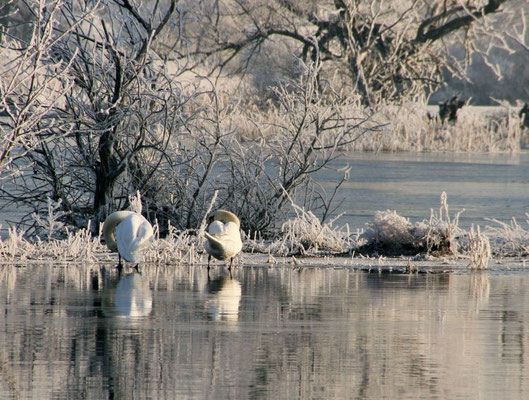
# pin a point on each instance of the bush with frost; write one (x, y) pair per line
(509, 239)
(394, 235)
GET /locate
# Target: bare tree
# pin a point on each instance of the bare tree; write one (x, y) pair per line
(112, 101)
(124, 121)
(385, 50)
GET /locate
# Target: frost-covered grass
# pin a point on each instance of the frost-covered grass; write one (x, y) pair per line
(509, 239)
(388, 234)
(79, 247)
(415, 127)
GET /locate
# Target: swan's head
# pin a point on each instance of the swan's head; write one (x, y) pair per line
(224, 216)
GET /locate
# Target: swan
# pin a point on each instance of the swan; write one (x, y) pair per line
(223, 236)
(128, 233)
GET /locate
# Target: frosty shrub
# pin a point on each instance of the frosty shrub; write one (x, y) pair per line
(389, 233)
(509, 239)
(393, 235)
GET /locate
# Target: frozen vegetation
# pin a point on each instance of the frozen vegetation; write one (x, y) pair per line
(99, 100)
(303, 240)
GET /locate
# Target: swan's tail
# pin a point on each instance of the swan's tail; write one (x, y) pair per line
(214, 242)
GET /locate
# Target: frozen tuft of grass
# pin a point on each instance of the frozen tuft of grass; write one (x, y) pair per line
(439, 234)
(306, 234)
(175, 248)
(15, 247)
(509, 240)
(479, 249)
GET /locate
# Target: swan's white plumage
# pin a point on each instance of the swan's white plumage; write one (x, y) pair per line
(128, 233)
(223, 236)
(216, 228)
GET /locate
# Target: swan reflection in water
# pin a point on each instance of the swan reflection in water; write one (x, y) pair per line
(131, 297)
(224, 298)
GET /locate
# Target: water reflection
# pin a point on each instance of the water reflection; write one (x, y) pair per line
(131, 297)
(224, 298)
(77, 332)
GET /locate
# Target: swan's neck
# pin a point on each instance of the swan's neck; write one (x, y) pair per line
(227, 216)
(109, 227)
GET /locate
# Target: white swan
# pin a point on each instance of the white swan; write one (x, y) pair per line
(129, 234)
(223, 236)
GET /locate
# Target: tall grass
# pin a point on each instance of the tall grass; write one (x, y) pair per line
(479, 249)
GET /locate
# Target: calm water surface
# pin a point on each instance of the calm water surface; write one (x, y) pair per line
(70, 332)
(484, 185)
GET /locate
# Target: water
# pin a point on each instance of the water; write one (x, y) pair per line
(70, 332)
(486, 186)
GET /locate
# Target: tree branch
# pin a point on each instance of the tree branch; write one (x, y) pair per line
(427, 31)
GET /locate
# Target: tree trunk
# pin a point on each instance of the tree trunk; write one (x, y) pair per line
(106, 174)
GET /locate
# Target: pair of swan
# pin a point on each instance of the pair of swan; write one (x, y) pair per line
(129, 234)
